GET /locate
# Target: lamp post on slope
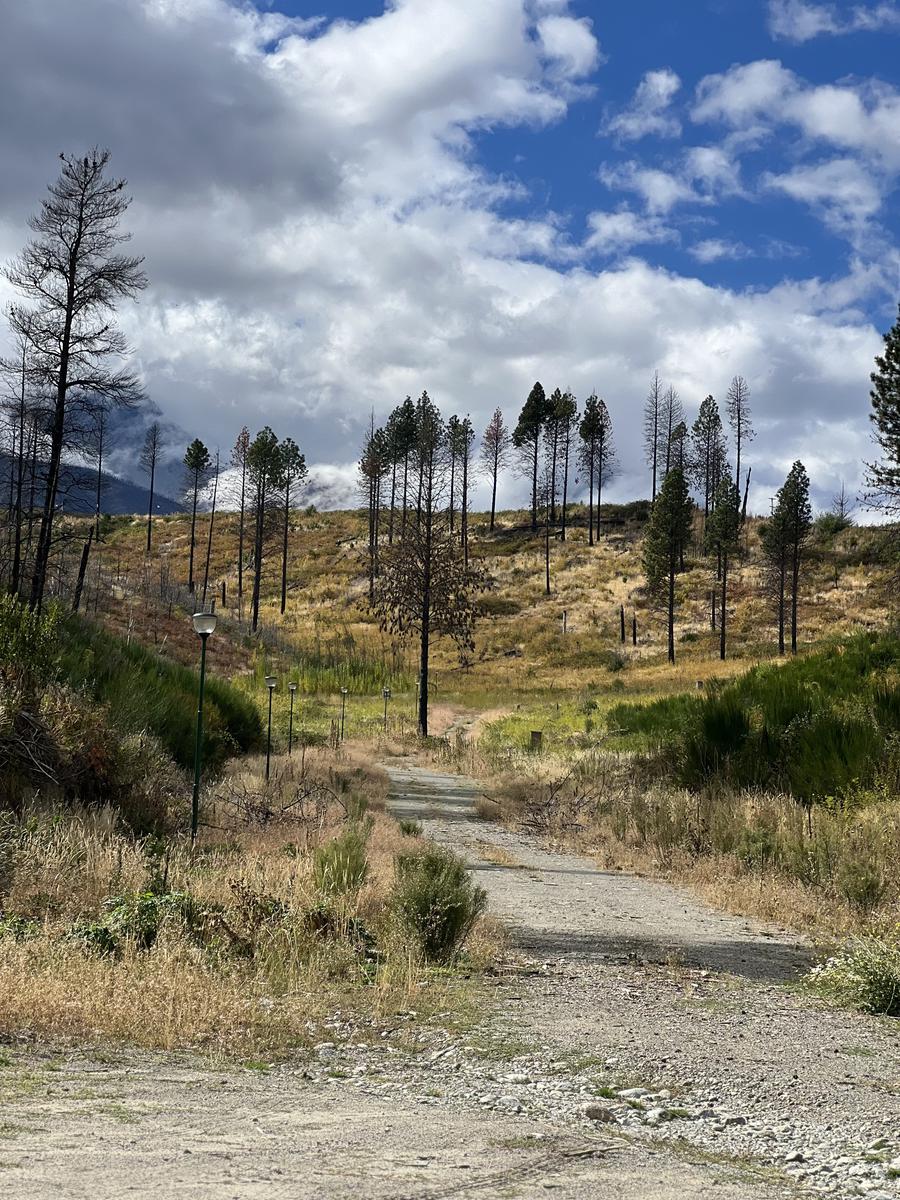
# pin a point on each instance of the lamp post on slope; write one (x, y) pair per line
(204, 623)
(271, 684)
(292, 688)
(386, 693)
(343, 709)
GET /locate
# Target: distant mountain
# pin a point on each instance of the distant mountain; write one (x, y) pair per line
(78, 492)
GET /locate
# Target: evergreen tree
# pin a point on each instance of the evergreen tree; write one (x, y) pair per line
(738, 407)
(666, 534)
(150, 452)
(652, 418)
(374, 466)
(197, 463)
(775, 548)
(798, 527)
(883, 477)
(495, 454)
(264, 477)
(596, 453)
(551, 449)
(671, 419)
(722, 533)
(72, 275)
(293, 472)
(239, 460)
(527, 440)
(707, 453)
(566, 421)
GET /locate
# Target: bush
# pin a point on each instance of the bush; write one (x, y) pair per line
(138, 918)
(340, 866)
(29, 644)
(864, 974)
(435, 902)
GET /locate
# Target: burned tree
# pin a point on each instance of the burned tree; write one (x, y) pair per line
(495, 446)
(197, 465)
(150, 452)
(71, 276)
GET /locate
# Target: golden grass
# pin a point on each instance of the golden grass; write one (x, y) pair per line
(293, 969)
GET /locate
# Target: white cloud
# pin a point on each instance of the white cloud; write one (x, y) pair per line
(660, 190)
(840, 189)
(617, 232)
(648, 112)
(718, 249)
(321, 239)
(800, 21)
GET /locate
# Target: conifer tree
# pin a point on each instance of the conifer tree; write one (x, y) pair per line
(883, 477)
(798, 527)
(775, 550)
(666, 533)
(72, 275)
(239, 460)
(738, 407)
(495, 454)
(597, 454)
(197, 463)
(707, 453)
(652, 418)
(527, 440)
(293, 472)
(149, 458)
(566, 419)
(264, 477)
(722, 533)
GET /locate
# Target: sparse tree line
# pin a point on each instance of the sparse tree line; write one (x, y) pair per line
(64, 384)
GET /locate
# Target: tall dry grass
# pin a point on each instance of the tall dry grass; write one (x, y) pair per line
(233, 947)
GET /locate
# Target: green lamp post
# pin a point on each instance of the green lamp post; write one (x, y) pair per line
(386, 693)
(292, 688)
(204, 623)
(271, 684)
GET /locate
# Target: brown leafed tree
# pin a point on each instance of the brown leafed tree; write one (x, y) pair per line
(425, 590)
(71, 275)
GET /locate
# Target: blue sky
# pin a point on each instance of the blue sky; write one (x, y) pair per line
(772, 236)
(340, 204)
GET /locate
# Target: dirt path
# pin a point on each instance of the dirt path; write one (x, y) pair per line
(640, 1045)
(657, 986)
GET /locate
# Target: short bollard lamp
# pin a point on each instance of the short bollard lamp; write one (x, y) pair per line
(386, 693)
(271, 684)
(204, 624)
(292, 688)
(343, 709)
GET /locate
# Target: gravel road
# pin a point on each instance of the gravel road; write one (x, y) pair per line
(639, 1045)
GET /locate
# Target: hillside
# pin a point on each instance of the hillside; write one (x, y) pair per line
(328, 639)
(78, 491)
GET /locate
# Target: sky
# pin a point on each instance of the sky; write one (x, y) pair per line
(343, 203)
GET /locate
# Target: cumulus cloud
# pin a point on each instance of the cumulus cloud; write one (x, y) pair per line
(322, 240)
(800, 20)
(649, 112)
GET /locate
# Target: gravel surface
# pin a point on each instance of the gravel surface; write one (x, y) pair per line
(638, 1044)
(690, 1007)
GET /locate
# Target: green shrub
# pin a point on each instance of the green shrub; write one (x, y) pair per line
(340, 866)
(436, 902)
(410, 828)
(138, 917)
(864, 974)
(144, 691)
(29, 646)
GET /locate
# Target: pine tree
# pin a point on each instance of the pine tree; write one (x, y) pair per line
(72, 275)
(722, 533)
(495, 454)
(738, 408)
(149, 457)
(883, 477)
(239, 460)
(293, 472)
(666, 534)
(652, 416)
(197, 463)
(798, 527)
(775, 548)
(566, 416)
(671, 418)
(527, 439)
(264, 477)
(707, 454)
(596, 454)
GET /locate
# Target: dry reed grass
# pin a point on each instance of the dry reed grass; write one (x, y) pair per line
(302, 953)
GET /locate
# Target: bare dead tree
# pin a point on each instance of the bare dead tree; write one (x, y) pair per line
(150, 452)
(495, 454)
(71, 276)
